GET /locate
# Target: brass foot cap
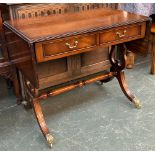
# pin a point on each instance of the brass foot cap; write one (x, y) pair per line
(49, 139)
(24, 102)
(137, 103)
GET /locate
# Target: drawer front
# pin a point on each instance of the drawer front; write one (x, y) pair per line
(64, 47)
(122, 34)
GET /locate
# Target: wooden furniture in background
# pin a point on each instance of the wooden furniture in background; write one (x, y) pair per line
(62, 52)
(146, 9)
(7, 69)
(153, 48)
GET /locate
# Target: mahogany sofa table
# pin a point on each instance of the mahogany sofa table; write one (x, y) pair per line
(66, 51)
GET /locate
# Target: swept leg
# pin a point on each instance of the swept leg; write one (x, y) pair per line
(121, 79)
(118, 65)
(41, 121)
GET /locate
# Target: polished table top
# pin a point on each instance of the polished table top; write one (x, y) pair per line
(57, 26)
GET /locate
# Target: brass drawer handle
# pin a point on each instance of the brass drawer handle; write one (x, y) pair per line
(121, 35)
(74, 46)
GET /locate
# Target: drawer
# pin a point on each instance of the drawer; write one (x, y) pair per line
(122, 34)
(58, 48)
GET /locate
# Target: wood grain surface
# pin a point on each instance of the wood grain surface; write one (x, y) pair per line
(50, 27)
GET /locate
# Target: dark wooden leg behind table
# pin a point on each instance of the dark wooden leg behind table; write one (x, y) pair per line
(153, 55)
(16, 87)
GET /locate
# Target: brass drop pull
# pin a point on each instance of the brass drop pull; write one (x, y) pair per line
(121, 35)
(72, 46)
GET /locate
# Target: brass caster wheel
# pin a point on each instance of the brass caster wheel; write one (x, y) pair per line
(137, 103)
(50, 140)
